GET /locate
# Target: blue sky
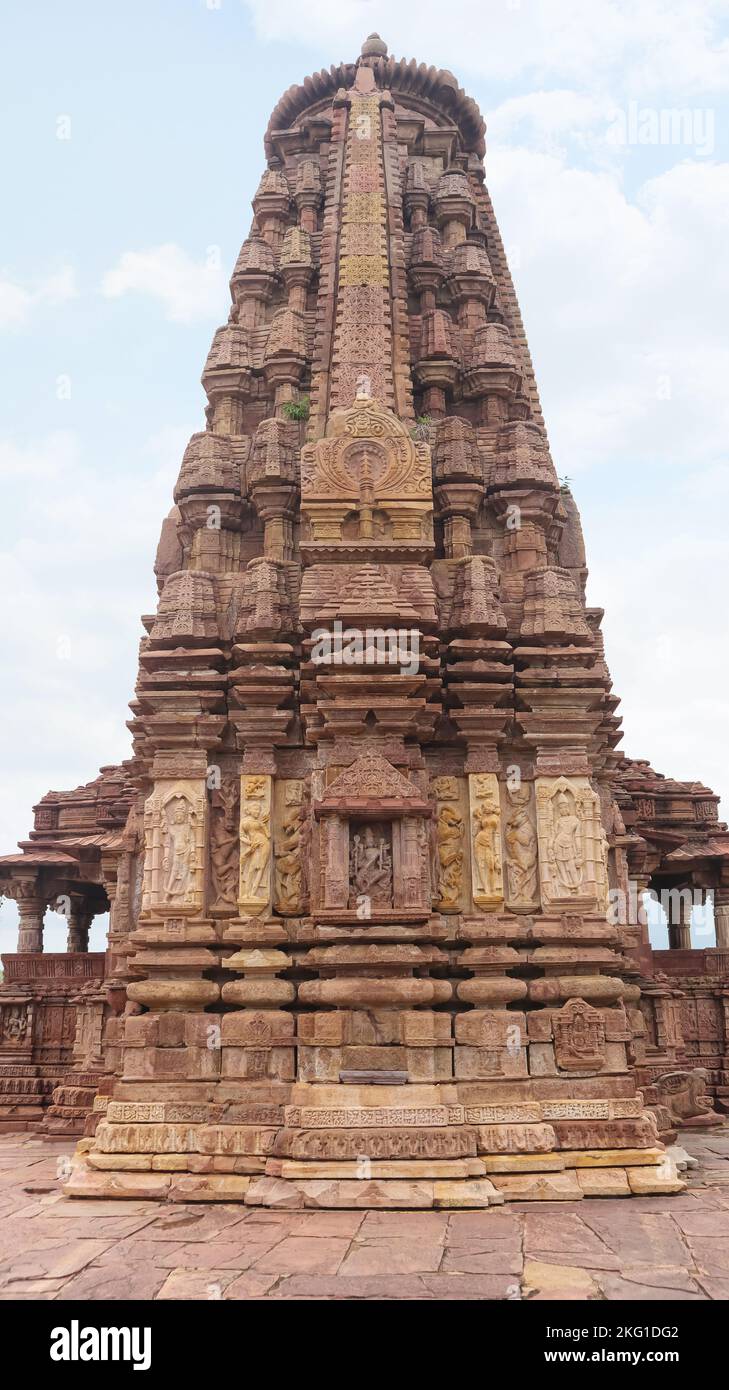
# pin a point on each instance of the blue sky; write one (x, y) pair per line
(607, 161)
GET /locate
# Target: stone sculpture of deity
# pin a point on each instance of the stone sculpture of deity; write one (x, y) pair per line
(485, 859)
(255, 850)
(224, 845)
(370, 865)
(178, 853)
(289, 869)
(520, 841)
(566, 844)
(449, 839)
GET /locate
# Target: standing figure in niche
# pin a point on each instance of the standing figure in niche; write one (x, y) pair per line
(224, 847)
(255, 850)
(566, 847)
(521, 856)
(486, 829)
(449, 840)
(178, 855)
(289, 886)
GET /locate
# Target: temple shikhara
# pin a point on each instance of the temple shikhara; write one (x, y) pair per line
(375, 868)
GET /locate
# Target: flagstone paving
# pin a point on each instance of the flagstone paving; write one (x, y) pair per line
(652, 1248)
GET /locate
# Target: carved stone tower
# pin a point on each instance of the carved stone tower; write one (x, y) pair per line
(371, 963)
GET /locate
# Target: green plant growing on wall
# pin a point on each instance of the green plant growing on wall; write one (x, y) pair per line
(297, 410)
(421, 428)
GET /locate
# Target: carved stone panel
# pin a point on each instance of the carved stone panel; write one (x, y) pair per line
(450, 860)
(579, 1037)
(225, 844)
(412, 861)
(254, 893)
(572, 844)
(486, 866)
(175, 824)
(520, 848)
(370, 863)
(367, 462)
(13, 1023)
(289, 848)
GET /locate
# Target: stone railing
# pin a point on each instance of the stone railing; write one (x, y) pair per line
(709, 962)
(39, 965)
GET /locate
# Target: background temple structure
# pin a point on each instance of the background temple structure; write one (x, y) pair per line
(374, 869)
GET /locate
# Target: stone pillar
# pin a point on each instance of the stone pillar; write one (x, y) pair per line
(721, 918)
(31, 909)
(80, 918)
(679, 933)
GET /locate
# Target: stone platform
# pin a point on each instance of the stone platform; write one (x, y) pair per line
(659, 1248)
(375, 1147)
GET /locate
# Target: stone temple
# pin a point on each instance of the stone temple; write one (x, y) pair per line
(372, 866)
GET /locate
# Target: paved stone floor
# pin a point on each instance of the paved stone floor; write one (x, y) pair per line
(53, 1247)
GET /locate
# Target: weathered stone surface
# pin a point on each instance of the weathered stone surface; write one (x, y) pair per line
(515, 1139)
(534, 1187)
(655, 1179)
(610, 1158)
(209, 1187)
(524, 1163)
(378, 1168)
(584, 1134)
(603, 1182)
(562, 1282)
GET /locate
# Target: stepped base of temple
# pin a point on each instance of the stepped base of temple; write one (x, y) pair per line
(24, 1094)
(412, 1146)
(73, 1104)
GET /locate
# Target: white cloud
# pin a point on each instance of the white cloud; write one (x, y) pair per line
(625, 298)
(75, 574)
(549, 120)
(652, 43)
(46, 458)
(188, 289)
(17, 301)
(625, 304)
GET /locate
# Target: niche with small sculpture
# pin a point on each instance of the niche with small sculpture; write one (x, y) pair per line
(373, 845)
(370, 863)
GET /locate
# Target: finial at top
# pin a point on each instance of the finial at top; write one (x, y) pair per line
(374, 47)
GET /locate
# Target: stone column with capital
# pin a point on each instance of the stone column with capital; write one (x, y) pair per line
(721, 917)
(80, 918)
(679, 932)
(31, 902)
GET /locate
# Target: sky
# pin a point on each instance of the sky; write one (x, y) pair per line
(131, 143)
